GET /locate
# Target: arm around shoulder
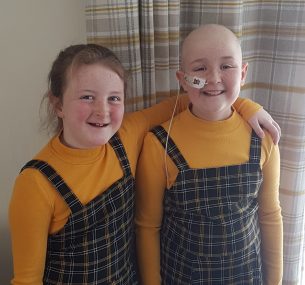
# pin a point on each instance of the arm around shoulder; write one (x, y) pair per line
(258, 118)
(246, 107)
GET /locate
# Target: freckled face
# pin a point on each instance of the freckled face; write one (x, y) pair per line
(216, 58)
(93, 106)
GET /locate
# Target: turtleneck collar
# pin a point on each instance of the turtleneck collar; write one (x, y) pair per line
(76, 156)
(225, 126)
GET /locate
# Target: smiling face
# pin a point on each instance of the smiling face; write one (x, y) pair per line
(92, 107)
(213, 53)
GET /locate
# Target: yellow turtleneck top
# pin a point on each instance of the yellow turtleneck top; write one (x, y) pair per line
(204, 144)
(37, 210)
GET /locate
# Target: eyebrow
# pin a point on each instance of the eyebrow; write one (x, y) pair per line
(204, 58)
(94, 92)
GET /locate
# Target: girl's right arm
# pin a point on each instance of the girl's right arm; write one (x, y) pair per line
(30, 214)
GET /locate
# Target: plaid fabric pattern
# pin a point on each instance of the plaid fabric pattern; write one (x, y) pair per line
(96, 246)
(210, 232)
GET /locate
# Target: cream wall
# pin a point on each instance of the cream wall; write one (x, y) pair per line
(31, 34)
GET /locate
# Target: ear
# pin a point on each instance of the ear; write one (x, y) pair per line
(180, 78)
(56, 104)
(244, 70)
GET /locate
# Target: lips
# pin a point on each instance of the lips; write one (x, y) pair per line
(98, 125)
(213, 92)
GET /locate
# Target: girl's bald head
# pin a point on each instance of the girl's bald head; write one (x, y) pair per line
(213, 35)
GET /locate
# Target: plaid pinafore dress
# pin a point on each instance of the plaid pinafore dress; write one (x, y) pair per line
(210, 232)
(96, 245)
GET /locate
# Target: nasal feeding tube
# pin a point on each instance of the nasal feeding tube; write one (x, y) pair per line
(195, 82)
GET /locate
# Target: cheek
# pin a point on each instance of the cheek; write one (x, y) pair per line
(194, 95)
(233, 80)
(231, 76)
(118, 114)
(82, 115)
(78, 113)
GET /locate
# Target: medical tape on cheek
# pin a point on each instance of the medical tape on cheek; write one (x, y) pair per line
(194, 81)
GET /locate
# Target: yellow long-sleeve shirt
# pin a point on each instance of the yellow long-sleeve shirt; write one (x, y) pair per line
(37, 210)
(204, 144)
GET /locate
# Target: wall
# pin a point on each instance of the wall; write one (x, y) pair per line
(31, 34)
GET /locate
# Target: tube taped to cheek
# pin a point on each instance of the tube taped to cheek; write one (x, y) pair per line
(194, 81)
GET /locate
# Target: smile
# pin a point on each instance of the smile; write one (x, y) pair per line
(212, 93)
(98, 125)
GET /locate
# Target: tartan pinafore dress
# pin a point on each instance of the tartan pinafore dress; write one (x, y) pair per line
(96, 245)
(210, 232)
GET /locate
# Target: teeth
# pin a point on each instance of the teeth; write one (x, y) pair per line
(98, 124)
(213, 93)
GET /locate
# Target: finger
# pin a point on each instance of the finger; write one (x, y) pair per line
(258, 129)
(278, 128)
(274, 131)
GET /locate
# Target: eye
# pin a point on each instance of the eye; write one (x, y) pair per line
(226, 66)
(115, 99)
(87, 97)
(201, 68)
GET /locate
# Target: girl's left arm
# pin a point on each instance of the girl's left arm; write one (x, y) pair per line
(270, 219)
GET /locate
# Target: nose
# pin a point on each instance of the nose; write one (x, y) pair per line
(101, 108)
(213, 76)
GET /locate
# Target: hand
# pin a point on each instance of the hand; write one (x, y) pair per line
(263, 119)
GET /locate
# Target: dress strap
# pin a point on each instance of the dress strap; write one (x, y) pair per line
(56, 180)
(255, 148)
(172, 150)
(119, 149)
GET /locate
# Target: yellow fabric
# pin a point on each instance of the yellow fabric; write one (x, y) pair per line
(36, 210)
(204, 144)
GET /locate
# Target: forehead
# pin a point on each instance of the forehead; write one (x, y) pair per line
(96, 71)
(210, 44)
(93, 77)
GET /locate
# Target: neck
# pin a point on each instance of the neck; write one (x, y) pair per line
(211, 115)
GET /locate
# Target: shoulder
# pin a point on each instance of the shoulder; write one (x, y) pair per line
(151, 138)
(31, 187)
(30, 184)
(152, 146)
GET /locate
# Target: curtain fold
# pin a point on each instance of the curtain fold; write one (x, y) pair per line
(146, 35)
(273, 42)
(115, 24)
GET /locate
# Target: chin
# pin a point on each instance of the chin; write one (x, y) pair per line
(103, 140)
(96, 143)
